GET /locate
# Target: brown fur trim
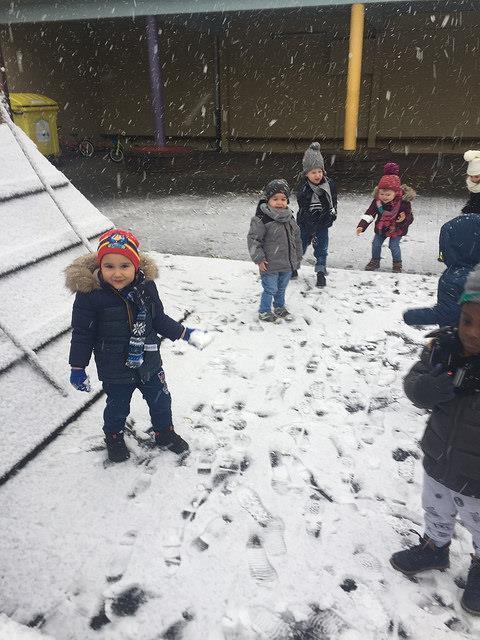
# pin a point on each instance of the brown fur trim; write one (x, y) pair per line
(408, 193)
(81, 275)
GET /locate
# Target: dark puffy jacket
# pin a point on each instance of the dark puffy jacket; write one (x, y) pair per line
(311, 221)
(102, 320)
(451, 442)
(459, 246)
(473, 204)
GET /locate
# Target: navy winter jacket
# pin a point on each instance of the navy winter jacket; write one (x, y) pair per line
(460, 250)
(320, 219)
(102, 320)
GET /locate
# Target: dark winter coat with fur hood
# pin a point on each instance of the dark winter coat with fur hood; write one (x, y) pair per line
(102, 320)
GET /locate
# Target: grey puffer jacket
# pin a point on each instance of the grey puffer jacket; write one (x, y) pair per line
(274, 236)
(451, 442)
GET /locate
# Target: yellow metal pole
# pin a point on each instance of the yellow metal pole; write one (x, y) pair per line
(357, 19)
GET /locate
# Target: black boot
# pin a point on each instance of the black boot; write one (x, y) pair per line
(471, 596)
(421, 557)
(116, 447)
(168, 439)
(321, 280)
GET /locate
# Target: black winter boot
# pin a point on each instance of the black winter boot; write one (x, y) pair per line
(116, 447)
(168, 439)
(321, 280)
(421, 557)
(471, 596)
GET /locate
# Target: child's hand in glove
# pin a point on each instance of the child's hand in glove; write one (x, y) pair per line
(197, 338)
(80, 380)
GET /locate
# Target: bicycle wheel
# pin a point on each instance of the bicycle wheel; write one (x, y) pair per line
(86, 148)
(116, 154)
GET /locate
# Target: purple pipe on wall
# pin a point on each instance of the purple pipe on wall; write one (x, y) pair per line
(156, 84)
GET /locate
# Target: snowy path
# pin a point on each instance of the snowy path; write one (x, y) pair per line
(304, 476)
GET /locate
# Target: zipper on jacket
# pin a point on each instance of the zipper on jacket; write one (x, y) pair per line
(129, 311)
(288, 245)
(452, 435)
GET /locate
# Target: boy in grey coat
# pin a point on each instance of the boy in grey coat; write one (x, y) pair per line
(275, 246)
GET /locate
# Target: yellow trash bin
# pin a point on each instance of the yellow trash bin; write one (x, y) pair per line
(36, 115)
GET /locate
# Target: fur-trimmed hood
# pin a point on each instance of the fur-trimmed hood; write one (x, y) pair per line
(82, 275)
(408, 194)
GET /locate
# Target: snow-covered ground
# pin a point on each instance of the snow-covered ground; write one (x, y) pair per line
(304, 476)
(217, 226)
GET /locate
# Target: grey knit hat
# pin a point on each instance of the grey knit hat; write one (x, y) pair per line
(471, 292)
(312, 158)
(276, 186)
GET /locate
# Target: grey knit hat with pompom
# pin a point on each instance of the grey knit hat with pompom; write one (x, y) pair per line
(471, 292)
(312, 158)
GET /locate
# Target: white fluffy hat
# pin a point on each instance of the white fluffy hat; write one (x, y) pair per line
(473, 159)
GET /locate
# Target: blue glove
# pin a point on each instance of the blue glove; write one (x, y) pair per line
(80, 380)
(197, 338)
(187, 334)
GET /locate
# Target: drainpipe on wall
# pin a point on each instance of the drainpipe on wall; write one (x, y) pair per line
(354, 77)
(156, 84)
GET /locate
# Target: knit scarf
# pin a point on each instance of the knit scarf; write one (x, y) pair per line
(136, 295)
(471, 186)
(318, 189)
(386, 224)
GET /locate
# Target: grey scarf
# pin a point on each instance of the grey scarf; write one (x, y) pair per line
(317, 192)
(279, 215)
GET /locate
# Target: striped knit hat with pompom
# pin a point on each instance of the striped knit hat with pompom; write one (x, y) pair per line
(391, 179)
(119, 241)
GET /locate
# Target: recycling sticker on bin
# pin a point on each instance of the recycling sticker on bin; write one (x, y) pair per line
(42, 130)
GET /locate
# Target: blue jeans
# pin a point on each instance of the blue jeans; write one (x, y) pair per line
(156, 395)
(319, 240)
(393, 244)
(274, 286)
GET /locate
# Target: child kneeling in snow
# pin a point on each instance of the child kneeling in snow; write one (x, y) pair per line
(118, 315)
(446, 381)
(275, 246)
(393, 212)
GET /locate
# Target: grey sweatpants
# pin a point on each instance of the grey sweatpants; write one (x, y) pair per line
(441, 506)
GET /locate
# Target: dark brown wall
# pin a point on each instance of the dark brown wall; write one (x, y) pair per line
(283, 74)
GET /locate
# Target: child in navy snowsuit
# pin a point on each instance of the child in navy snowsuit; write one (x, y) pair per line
(317, 208)
(274, 245)
(392, 212)
(118, 315)
(446, 382)
(459, 249)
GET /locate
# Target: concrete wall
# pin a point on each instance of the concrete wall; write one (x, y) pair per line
(282, 75)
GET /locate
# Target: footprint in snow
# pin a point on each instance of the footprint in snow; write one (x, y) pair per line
(312, 365)
(126, 602)
(214, 529)
(251, 502)
(260, 568)
(171, 547)
(176, 630)
(121, 557)
(268, 624)
(281, 481)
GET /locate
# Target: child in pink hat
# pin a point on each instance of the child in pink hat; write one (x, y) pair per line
(392, 211)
